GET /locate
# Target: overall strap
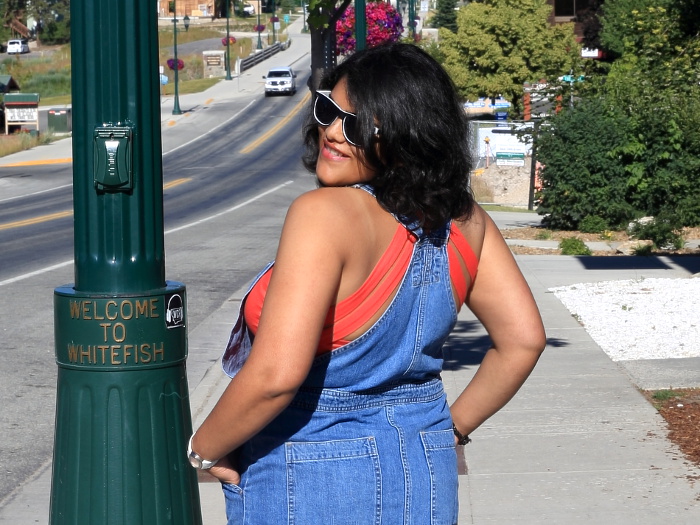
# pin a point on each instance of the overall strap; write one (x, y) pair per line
(409, 223)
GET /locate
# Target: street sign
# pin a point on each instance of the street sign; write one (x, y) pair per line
(510, 158)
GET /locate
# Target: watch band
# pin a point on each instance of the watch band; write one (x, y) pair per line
(461, 438)
(196, 460)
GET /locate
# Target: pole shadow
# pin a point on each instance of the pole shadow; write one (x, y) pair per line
(469, 342)
(690, 263)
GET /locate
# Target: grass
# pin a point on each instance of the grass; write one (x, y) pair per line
(496, 207)
(658, 397)
(59, 100)
(190, 86)
(10, 144)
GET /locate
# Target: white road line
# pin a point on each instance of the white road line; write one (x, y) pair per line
(36, 193)
(164, 154)
(183, 227)
(210, 131)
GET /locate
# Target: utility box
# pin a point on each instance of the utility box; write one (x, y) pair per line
(60, 120)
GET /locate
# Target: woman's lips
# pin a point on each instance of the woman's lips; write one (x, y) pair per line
(331, 152)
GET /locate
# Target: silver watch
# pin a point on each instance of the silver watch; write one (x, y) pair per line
(196, 460)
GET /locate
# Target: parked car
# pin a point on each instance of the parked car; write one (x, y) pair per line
(245, 9)
(280, 80)
(17, 46)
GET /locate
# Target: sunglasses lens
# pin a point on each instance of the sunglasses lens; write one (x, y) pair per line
(325, 111)
(350, 129)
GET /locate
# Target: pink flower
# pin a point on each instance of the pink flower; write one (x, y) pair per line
(384, 24)
(171, 63)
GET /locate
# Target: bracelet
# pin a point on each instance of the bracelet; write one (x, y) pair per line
(461, 438)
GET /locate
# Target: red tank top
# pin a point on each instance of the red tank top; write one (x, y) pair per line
(354, 311)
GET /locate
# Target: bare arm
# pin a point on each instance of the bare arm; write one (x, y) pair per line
(501, 299)
(303, 286)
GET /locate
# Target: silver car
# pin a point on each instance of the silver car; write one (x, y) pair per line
(17, 46)
(280, 80)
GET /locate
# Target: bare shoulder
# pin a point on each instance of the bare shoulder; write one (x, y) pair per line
(475, 228)
(334, 200)
(331, 213)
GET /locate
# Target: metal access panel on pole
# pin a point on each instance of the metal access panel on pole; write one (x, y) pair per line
(122, 405)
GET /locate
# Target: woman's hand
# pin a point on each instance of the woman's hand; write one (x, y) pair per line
(226, 471)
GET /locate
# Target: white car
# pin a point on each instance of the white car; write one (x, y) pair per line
(280, 80)
(249, 9)
(17, 46)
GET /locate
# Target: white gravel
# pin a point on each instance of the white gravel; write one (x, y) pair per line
(638, 319)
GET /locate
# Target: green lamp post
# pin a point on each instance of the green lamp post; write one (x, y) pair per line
(360, 24)
(228, 41)
(122, 402)
(259, 28)
(274, 20)
(176, 62)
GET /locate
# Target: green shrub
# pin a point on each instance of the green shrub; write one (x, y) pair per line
(663, 231)
(580, 177)
(643, 250)
(593, 224)
(573, 246)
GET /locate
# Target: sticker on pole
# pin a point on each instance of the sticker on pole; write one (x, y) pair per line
(175, 313)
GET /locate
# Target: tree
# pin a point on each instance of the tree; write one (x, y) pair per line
(384, 24)
(580, 178)
(618, 28)
(52, 19)
(589, 19)
(501, 44)
(445, 15)
(322, 19)
(646, 143)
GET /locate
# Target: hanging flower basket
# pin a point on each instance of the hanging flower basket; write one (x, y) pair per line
(384, 24)
(231, 40)
(274, 19)
(171, 63)
(259, 28)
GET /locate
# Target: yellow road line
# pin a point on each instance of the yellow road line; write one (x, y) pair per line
(37, 162)
(174, 183)
(36, 220)
(250, 147)
(62, 214)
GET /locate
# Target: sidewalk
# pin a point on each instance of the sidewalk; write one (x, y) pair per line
(578, 445)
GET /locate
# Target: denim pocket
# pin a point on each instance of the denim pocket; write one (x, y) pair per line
(442, 463)
(233, 496)
(335, 482)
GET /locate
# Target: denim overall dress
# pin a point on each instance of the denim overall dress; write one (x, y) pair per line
(368, 438)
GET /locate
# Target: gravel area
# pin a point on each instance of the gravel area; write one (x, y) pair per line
(638, 319)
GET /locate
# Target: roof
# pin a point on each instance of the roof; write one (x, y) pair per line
(21, 98)
(8, 83)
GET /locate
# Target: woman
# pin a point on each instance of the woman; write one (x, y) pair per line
(336, 413)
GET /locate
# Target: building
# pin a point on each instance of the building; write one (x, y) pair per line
(186, 7)
(566, 10)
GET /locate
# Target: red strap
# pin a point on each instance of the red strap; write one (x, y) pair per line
(460, 247)
(357, 309)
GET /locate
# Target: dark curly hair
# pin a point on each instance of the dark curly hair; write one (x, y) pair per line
(421, 157)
